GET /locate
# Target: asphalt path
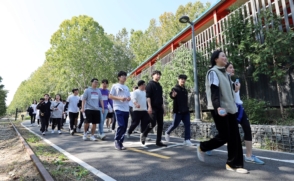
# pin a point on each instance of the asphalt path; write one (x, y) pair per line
(152, 163)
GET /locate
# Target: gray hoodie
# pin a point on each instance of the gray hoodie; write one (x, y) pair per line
(57, 113)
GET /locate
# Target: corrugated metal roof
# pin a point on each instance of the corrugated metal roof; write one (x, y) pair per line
(180, 33)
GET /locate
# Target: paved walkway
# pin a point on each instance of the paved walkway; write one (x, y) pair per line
(176, 162)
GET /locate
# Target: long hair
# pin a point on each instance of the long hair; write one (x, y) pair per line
(214, 56)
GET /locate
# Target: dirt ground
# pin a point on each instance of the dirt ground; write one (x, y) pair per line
(15, 164)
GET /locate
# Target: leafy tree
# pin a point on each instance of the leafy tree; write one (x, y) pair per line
(3, 95)
(275, 53)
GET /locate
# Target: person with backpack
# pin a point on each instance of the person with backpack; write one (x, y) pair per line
(57, 111)
(32, 110)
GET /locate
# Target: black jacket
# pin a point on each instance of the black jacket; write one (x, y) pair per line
(44, 108)
(180, 104)
(154, 92)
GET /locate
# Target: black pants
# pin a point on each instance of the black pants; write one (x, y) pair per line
(38, 121)
(113, 122)
(228, 132)
(44, 123)
(156, 117)
(131, 113)
(81, 120)
(73, 119)
(63, 120)
(246, 127)
(33, 118)
(56, 122)
(139, 116)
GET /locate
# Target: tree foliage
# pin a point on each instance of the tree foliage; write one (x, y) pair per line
(3, 95)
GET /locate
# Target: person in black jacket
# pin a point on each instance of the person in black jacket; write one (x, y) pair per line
(179, 94)
(155, 106)
(45, 111)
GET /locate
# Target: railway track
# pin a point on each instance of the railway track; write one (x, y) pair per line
(38, 164)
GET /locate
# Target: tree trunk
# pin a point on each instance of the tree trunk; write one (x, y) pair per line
(246, 86)
(280, 99)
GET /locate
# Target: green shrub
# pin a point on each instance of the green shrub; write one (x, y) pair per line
(255, 110)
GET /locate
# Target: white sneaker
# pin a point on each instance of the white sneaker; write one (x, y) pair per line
(102, 136)
(188, 143)
(166, 137)
(200, 154)
(238, 170)
(85, 137)
(43, 133)
(88, 132)
(72, 132)
(59, 132)
(92, 138)
(113, 131)
(128, 135)
(52, 131)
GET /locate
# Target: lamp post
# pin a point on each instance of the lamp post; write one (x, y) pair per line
(186, 19)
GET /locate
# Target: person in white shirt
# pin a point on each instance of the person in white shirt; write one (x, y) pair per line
(131, 104)
(120, 95)
(57, 111)
(81, 114)
(34, 112)
(72, 104)
(140, 111)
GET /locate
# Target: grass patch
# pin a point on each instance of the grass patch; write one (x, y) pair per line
(58, 165)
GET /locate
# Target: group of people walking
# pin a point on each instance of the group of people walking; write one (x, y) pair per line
(146, 107)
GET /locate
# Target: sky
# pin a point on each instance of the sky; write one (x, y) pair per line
(27, 26)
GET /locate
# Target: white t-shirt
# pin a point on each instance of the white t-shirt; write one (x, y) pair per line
(73, 103)
(34, 106)
(120, 90)
(140, 98)
(131, 102)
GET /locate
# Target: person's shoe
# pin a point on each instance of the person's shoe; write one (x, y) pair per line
(88, 132)
(72, 132)
(200, 154)
(79, 130)
(142, 139)
(113, 131)
(128, 135)
(102, 136)
(85, 137)
(253, 159)
(52, 131)
(208, 153)
(38, 125)
(238, 170)
(161, 144)
(61, 127)
(59, 132)
(92, 138)
(75, 130)
(117, 145)
(43, 133)
(122, 146)
(167, 139)
(188, 143)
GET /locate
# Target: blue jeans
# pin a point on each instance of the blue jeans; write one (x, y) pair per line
(102, 120)
(178, 117)
(122, 122)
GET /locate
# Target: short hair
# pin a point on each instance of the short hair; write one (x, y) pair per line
(228, 64)
(75, 89)
(46, 95)
(105, 81)
(182, 76)
(94, 79)
(42, 99)
(121, 73)
(156, 72)
(141, 82)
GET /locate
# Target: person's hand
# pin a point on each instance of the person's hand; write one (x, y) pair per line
(237, 87)
(174, 93)
(102, 111)
(219, 112)
(82, 110)
(137, 105)
(128, 98)
(123, 99)
(150, 110)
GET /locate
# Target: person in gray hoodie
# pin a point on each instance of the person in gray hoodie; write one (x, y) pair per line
(57, 111)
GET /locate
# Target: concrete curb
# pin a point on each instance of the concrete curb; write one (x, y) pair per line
(44, 173)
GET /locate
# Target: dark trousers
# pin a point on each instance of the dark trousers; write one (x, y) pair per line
(33, 118)
(228, 132)
(156, 117)
(139, 116)
(73, 119)
(122, 122)
(178, 117)
(63, 119)
(113, 122)
(56, 122)
(81, 120)
(44, 123)
(246, 127)
(38, 121)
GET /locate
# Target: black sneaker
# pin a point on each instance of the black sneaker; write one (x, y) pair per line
(142, 139)
(161, 144)
(117, 145)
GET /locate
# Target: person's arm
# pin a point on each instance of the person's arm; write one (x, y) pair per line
(134, 99)
(85, 96)
(148, 90)
(101, 101)
(112, 95)
(173, 93)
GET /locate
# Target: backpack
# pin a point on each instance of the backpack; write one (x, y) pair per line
(30, 110)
